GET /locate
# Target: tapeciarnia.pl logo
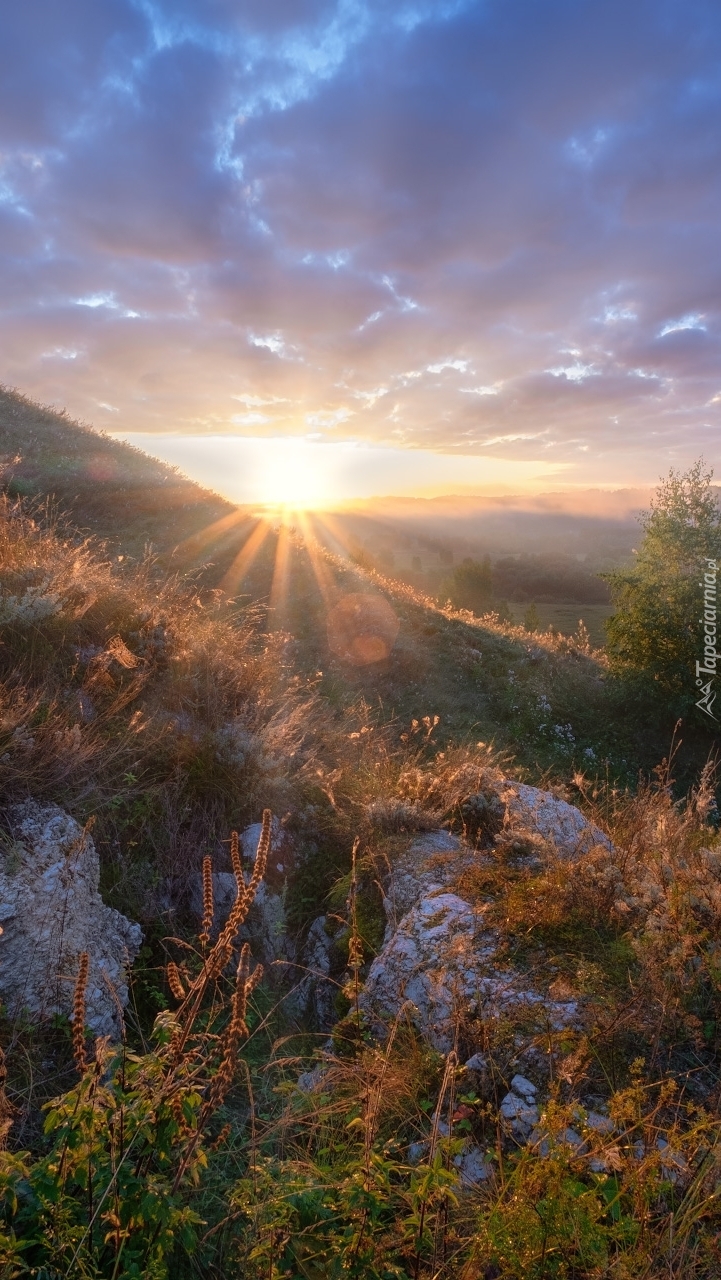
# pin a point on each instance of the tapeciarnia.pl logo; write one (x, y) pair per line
(710, 656)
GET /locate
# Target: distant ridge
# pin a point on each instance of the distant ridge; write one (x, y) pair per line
(605, 504)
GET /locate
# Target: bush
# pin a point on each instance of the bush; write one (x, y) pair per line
(656, 630)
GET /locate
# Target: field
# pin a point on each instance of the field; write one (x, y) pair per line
(565, 618)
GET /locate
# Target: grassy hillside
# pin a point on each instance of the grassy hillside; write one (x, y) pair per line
(546, 699)
(170, 700)
(107, 488)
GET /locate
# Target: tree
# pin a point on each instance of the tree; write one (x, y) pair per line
(471, 585)
(531, 620)
(657, 629)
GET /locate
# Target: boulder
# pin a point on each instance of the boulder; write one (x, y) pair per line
(439, 950)
(316, 994)
(429, 865)
(555, 820)
(50, 912)
(437, 960)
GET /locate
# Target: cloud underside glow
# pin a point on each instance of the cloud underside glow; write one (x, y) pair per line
(489, 231)
(307, 474)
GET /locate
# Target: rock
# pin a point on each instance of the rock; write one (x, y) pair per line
(435, 960)
(473, 1166)
(429, 864)
(312, 1081)
(438, 953)
(540, 1138)
(50, 912)
(471, 1163)
(316, 993)
(521, 1116)
(558, 822)
(476, 1063)
(439, 963)
(674, 1164)
(524, 1088)
(599, 1123)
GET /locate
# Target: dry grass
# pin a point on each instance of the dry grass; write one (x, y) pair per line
(122, 696)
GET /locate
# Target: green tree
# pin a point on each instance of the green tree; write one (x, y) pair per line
(471, 585)
(656, 630)
(531, 620)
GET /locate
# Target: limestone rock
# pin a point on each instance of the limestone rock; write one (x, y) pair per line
(523, 1087)
(317, 990)
(519, 1109)
(436, 960)
(560, 823)
(473, 1166)
(51, 911)
(429, 864)
(439, 952)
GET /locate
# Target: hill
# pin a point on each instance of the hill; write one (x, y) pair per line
(106, 488)
(546, 697)
(485, 1040)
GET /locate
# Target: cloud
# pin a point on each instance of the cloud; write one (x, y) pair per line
(457, 224)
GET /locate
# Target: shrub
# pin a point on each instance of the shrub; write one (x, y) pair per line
(656, 629)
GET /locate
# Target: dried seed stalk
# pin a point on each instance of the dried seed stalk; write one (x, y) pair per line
(81, 983)
(221, 953)
(174, 981)
(235, 857)
(208, 910)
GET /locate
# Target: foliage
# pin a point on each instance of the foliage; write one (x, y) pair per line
(655, 629)
(470, 586)
(531, 620)
(113, 1196)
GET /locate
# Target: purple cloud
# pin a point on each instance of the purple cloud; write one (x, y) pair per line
(482, 227)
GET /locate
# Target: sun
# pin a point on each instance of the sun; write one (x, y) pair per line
(294, 476)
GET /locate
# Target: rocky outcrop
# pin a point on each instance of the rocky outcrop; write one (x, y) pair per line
(50, 912)
(439, 957)
(553, 819)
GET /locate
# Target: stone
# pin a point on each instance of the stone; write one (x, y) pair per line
(521, 1116)
(429, 864)
(312, 1081)
(438, 964)
(599, 1123)
(541, 1140)
(433, 963)
(674, 1165)
(476, 1063)
(316, 993)
(473, 1167)
(557, 821)
(524, 1088)
(439, 952)
(50, 912)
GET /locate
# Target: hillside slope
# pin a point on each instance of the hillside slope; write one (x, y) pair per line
(545, 698)
(106, 488)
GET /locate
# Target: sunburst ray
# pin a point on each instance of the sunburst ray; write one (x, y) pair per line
(244, 559)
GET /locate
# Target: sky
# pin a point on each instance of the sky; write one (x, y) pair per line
(442, 244)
